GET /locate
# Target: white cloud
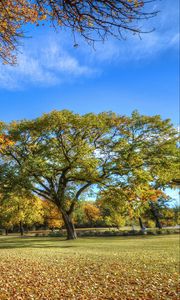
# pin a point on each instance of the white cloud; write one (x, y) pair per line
(43, 63)
(164, 37)
(59, 60)
(50, 60)
(175, 40)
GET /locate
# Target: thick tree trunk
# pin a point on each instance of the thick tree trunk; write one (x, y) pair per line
(155, 213)
(6, 231)
(158, 223)
(46, 224)
(71, 233)
(141, 224)
(21, 228)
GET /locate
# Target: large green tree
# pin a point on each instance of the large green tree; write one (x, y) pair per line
(60, 155)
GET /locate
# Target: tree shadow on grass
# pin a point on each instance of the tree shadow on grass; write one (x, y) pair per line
(15, 243)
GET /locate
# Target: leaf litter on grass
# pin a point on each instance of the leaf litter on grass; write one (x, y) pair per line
(86, 273)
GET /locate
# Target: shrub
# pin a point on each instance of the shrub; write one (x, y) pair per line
(1, 231)
(150, 232)
(151, 224)
(56, 234)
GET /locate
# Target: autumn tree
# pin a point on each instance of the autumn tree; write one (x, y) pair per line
(60, 155)
(51, 216)
(93, 20)
(113, 207)
(55, 157)
(16, 210)
(176, 210)
(91, 212)
(119, 205)
(6, 221)
(148, 168)
(86, 214)
(78, 216)
(13, 16)
(161, 211)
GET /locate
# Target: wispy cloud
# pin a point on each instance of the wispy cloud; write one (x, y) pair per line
(134, 47)
(51, 59)
(46, 63)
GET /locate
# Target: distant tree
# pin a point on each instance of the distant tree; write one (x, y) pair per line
(19, 211)
(6, 220)
(113, 206)
(60, 155)
(78, 216)
(93, 20)
(87, 214)
(121, 204)
(91, 212)
(168, 217)
(176, 210)
(161, 212)
(51, 216)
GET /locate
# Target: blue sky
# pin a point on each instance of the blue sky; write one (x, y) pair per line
(119, 75)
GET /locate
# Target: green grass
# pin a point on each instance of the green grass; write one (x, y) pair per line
(142, 267)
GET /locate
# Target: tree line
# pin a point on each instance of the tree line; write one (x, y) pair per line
(37, 215)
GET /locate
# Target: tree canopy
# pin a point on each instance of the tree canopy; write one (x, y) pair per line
(60, 155)
(93, 20)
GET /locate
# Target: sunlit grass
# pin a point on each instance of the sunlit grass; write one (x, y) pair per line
(92, 268)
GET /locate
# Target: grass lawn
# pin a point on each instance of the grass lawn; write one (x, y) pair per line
(126, 268)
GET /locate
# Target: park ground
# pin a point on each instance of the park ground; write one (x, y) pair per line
(144, 267)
